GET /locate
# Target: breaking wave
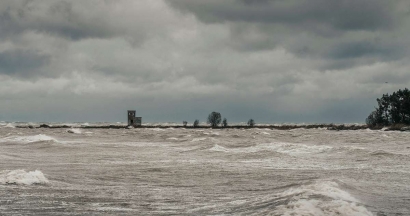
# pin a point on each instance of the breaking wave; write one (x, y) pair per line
(285, 148)
(21, 177)
(9, 125)
(386, 154)
(321, 198)
(324, 198)
(74, 131)
(198, 139)
(30, 139)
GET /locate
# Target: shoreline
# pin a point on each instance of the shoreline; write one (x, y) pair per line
(277, 127)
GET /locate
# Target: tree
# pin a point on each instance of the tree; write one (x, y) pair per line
(392, 109)
(214, 119)
(251, 123)
(196, 123)
(184, 123)
(225, 122)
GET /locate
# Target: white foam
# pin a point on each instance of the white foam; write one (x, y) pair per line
(320, 199)
(211, 133)
(218, 148)
(9, 125)
(74, 131)
(21, 177)
(285, 148)
(172, 138)
(157, 129)
(29, 139)
(198, 139)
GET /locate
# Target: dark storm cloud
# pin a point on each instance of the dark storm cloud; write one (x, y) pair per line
(22, 62)
(58, 18)
(272, 60)
(341, 15)
(363, 49)
(348, 33)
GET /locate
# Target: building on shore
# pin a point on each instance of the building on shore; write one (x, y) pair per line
(132, 120)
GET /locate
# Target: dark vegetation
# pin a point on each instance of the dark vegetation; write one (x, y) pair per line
(251, 123)
(277, 127)
(393, 111)
(224, 122)
(214, 119)
(196, 123)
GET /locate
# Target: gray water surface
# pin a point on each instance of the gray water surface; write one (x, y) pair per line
(204, 172)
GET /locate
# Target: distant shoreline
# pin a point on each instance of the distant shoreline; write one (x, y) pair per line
(277, 127)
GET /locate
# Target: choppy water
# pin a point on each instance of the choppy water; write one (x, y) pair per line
(202, 172)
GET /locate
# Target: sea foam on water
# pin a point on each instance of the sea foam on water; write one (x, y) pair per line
(34, 138)
(320, 199)
(21, 177)
(74, 131)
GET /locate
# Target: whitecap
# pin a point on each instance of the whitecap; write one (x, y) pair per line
(198, 139)
(284, 148)
(157, 129)
(218, 148)
(29, 139)
(21, 177)
(321, 199)
(85, 124)
(9, 125)
(74, 131)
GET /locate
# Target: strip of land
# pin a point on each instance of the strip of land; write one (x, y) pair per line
(277, 127)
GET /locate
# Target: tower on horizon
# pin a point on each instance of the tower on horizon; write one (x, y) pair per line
(132, 120)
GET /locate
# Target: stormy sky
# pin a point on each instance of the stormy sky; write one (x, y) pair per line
(271, 60)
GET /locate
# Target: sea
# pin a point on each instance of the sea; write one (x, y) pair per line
(181, 171)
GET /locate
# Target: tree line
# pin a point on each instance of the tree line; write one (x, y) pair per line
(214, 120)
(392, 109)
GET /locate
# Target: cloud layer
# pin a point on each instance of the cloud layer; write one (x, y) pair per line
(274, 61)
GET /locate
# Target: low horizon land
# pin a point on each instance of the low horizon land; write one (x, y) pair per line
(120, 125)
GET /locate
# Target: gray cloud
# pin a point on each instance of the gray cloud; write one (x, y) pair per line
(274, 61)
(22, 62)
(342, 15)
(363, 49)
(337, 30)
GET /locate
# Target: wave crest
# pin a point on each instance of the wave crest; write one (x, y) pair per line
(284, 148)
(30, 139)
(21, 177)
(321, 198)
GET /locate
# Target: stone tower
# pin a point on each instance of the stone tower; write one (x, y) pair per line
(132, 120)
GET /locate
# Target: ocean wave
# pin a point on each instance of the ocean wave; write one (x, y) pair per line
(21, 177)
(30, 139)
(321, 198)
(285, 148)
(386, 154)
(74, 131)
(9, 125)
(198, 139)
(218, 148)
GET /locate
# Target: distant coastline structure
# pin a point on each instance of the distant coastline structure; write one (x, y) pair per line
(132, 120)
